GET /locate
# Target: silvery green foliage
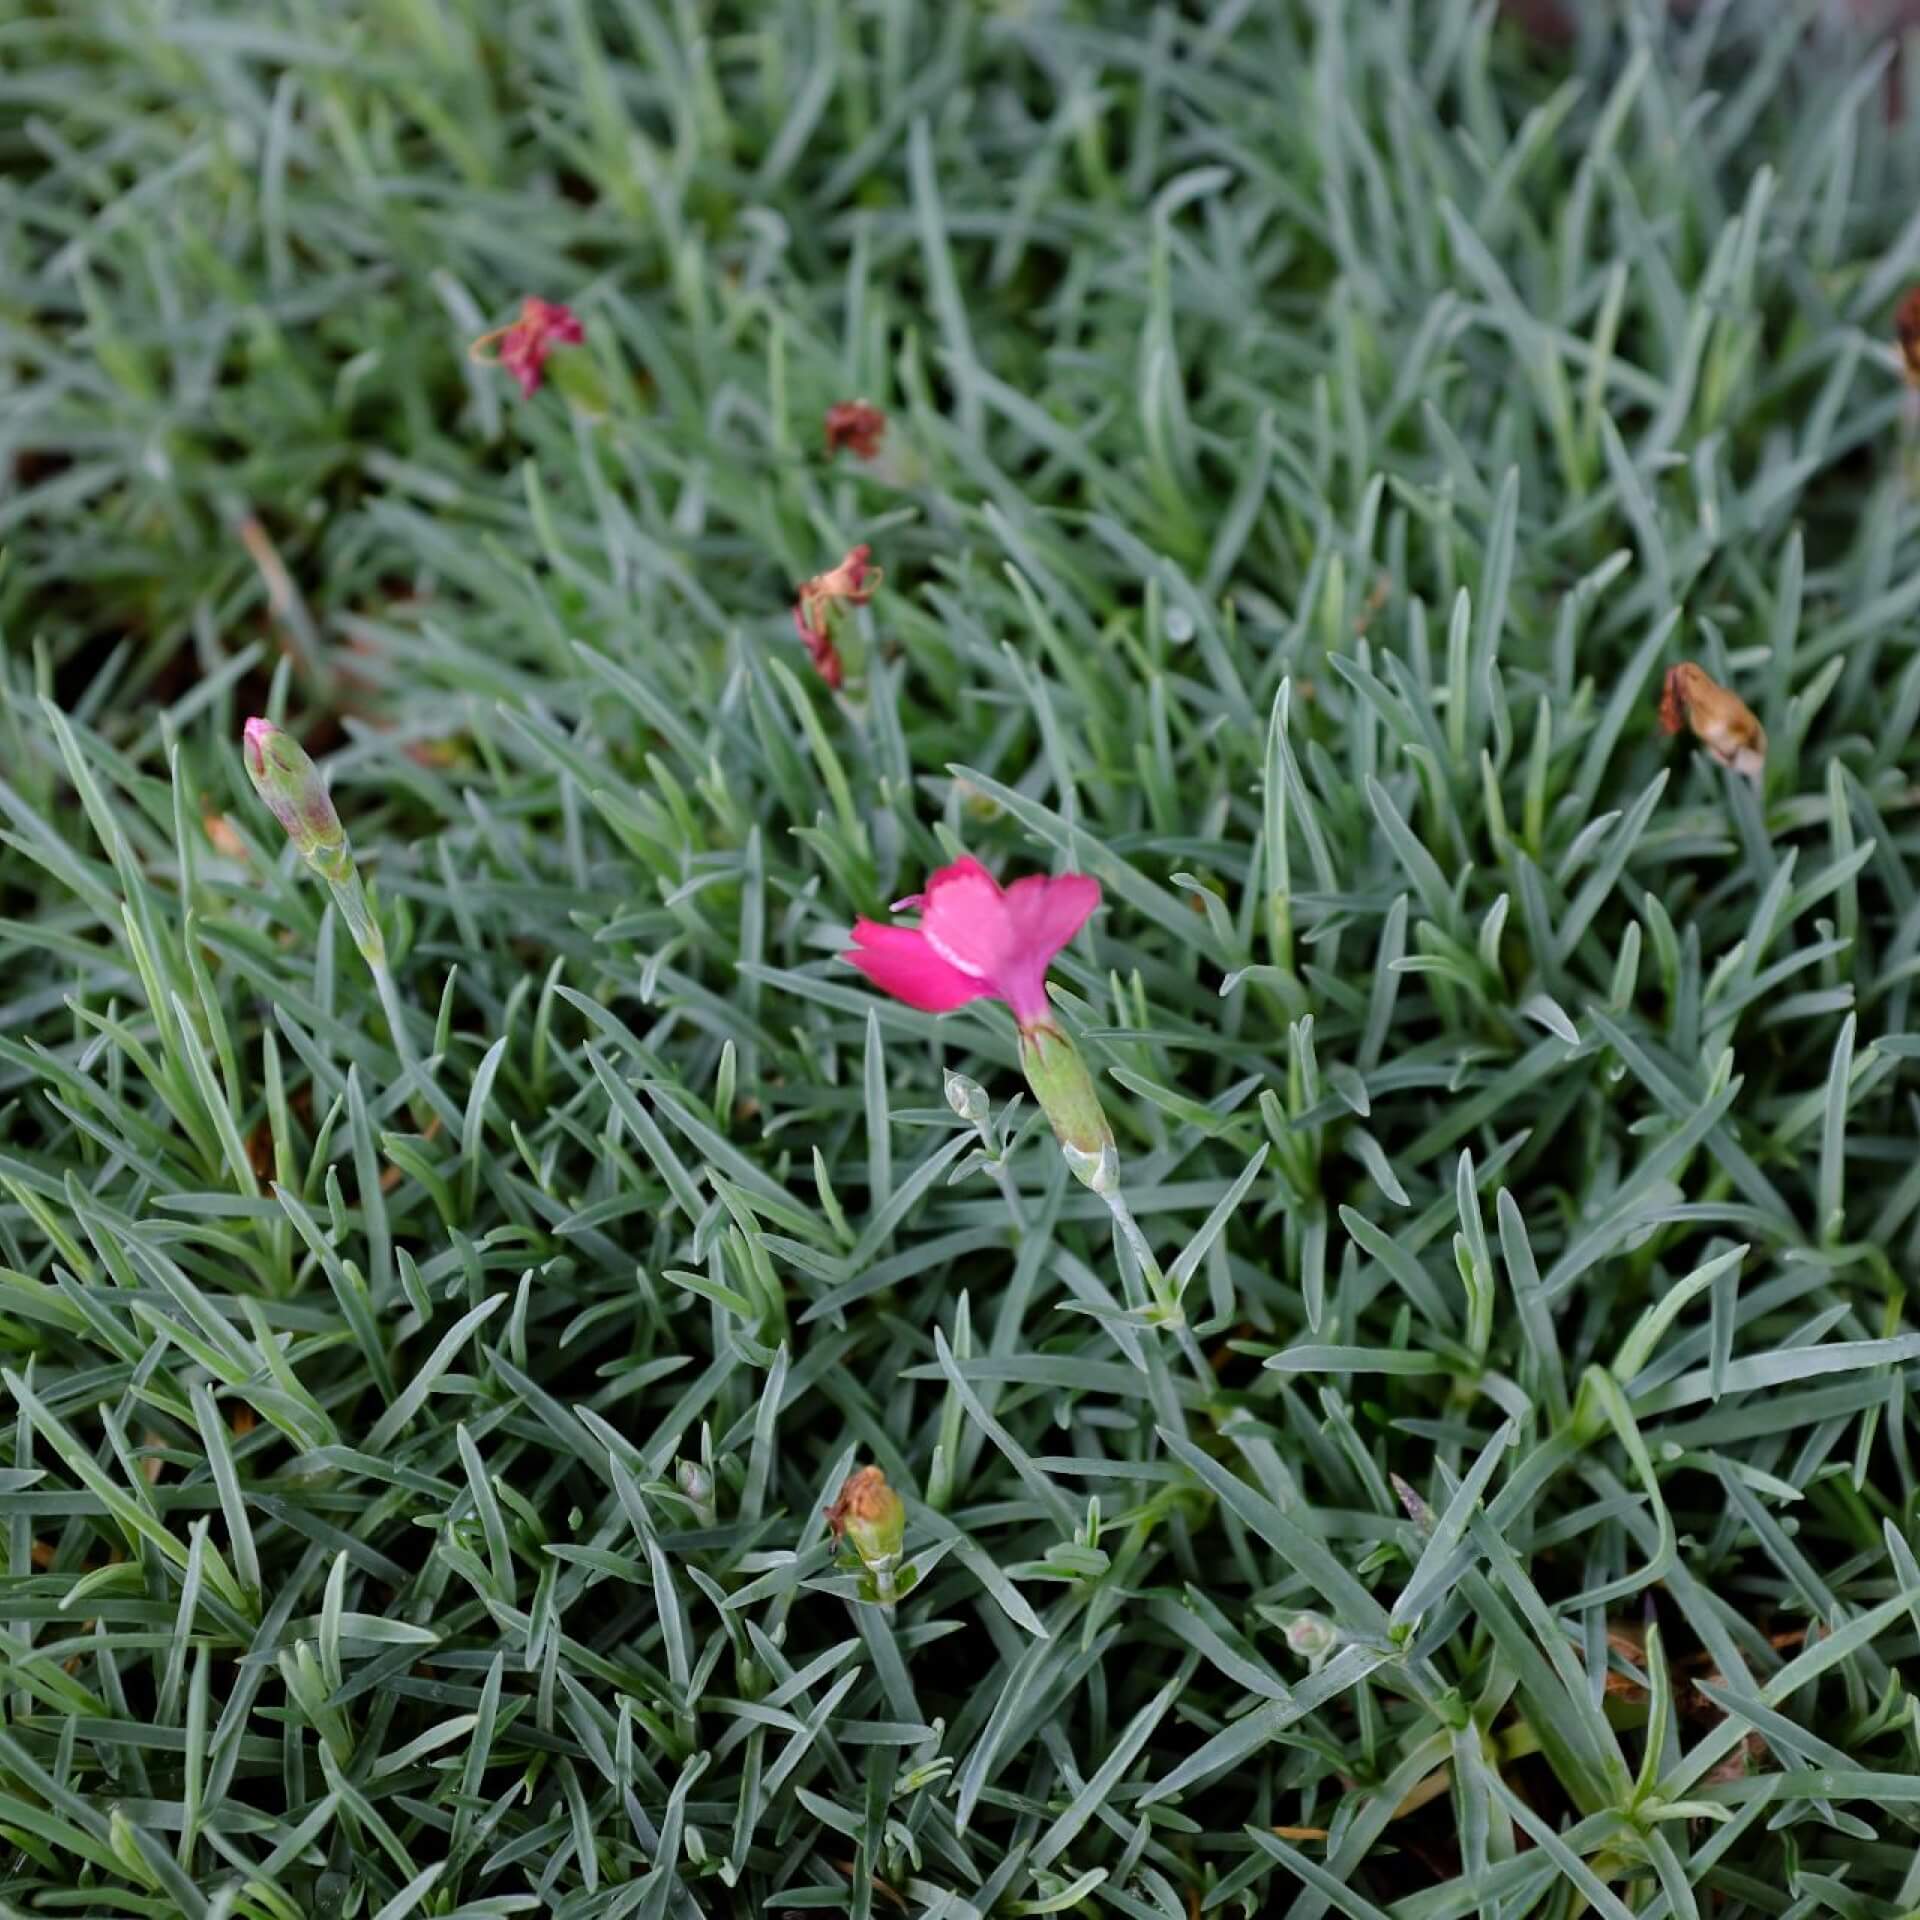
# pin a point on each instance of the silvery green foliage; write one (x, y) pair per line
(1313, 433)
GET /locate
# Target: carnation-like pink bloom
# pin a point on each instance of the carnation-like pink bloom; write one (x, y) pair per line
(522, 348)
(977, 940)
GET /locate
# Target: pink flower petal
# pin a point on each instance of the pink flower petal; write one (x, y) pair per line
(1042, 916)
(965, 920)
(1048, 912)
(899, 961)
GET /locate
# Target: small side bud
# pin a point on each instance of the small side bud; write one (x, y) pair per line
(697, 1485)
(1065, 1090)
(1311, 1637)
(871, 1517)
(968, 1098)
(290, 784)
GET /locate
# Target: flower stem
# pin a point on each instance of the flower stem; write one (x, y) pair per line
(1165, 1305)
(350, 896)
(1003, 1179)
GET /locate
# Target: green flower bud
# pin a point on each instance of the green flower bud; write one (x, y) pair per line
(696, 1483)
(1311, 1637)
(288, 781)
(291, 785)
(1065, 1090)
(968, 1098)
(870, 1515)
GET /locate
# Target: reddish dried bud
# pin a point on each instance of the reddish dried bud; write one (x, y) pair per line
(1906, 329)
(820, 648)
(853, 581)
(522, 348)
(1720, 720)
(871, 1515)
(856, 425)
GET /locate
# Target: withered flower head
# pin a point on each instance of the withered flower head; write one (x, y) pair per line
(870, 1514)
(853, 581)
(856, 425)
(523, 347)
(1906, 329)
(1720, 720)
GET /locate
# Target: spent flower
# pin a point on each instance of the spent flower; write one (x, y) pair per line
(857, 425)
(871, 1518)
(852, 581)
(1718, 718)
(523, 346)
(1906, 331)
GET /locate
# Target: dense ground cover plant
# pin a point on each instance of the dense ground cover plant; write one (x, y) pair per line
(1294, 445)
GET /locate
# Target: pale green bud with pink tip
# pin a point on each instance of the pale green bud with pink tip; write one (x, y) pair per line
(285, 778)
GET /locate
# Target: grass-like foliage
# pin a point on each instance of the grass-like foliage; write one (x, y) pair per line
(1314, 431)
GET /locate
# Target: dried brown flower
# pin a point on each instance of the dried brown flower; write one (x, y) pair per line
(853, 581)
(1720, 720)
(869, 1513)
(857, 425)
(1906, 329)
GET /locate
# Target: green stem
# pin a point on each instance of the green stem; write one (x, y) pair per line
(350, 896)
(1168, 1312)
(1002, 1178)
(1137, 1242)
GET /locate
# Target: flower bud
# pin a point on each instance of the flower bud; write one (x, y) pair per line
(968, 1098)
(1417, 1509)
(872, 1516)
(288, 781)
(1311, 1637)
(694, 1481)
(1065, 1091)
